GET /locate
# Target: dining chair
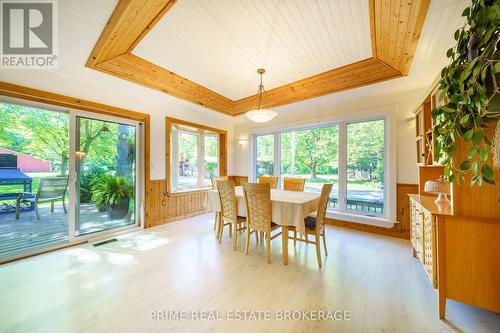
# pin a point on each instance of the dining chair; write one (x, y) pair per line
(272, 181)
(215, 179)
(229, 211)
(214, 186)
(258, 204)
(315, 224)
(294, 184)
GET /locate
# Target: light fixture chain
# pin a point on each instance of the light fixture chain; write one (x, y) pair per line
(258, 114)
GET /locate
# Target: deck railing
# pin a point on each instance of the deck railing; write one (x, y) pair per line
(375, 207)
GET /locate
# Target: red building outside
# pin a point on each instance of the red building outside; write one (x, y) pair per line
(27, 163)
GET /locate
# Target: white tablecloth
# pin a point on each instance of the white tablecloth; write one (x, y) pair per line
(288, 208)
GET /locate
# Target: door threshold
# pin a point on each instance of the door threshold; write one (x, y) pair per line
(88, 239)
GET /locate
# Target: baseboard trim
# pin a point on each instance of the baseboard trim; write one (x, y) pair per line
(176, 218)
(367, 228)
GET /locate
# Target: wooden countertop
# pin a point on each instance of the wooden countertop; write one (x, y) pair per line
(427, 202)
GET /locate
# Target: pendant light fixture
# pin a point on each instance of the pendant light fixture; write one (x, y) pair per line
(259, 113)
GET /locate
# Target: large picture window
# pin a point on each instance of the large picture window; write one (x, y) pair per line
(264, 152)
(311, 154)
(194, 155)
(365, 167)
(350, 155)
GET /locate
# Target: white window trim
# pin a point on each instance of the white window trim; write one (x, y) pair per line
(200, 161)
(389, 115)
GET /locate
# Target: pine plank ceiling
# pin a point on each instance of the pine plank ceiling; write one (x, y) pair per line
(206, 52)
(220, 44)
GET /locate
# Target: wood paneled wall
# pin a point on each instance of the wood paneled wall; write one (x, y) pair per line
(239, 180)
(401, 229)
(166, 207)
(163, 206)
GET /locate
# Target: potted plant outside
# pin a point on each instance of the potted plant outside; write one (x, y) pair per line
(114, 193)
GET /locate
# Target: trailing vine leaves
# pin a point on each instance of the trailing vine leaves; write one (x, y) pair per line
(470, 94)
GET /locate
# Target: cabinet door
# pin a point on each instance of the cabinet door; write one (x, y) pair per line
(416, 228)
(429, 258)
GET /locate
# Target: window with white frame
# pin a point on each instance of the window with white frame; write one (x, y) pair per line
(194, 158)
(350, 155)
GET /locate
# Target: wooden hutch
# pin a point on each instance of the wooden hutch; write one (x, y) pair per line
(458, 244)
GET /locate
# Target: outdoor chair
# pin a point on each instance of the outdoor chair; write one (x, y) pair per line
(50, 190)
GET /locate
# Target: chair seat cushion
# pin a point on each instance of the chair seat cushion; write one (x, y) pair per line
(310, 222)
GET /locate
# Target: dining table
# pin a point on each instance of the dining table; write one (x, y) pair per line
(288, 209)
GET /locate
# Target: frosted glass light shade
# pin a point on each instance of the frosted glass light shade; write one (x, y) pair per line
(261, 115)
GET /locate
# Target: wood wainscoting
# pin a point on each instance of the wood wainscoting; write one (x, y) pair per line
(239, 180)
(401, 229)
(167, 207)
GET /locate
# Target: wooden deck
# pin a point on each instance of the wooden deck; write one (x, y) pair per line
(29, 234)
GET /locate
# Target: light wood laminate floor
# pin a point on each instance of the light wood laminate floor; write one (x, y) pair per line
(180, 267)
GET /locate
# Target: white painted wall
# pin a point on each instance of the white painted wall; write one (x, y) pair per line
(98, 87)
(351, 104)
(91, 85)
(101, 88)
(80, 25)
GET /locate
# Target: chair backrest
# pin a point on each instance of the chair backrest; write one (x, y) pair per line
(52, 187)
(294, 184)
(227, 197)
(258, 203)
(215, 179)
(323, 205)
(272, 181)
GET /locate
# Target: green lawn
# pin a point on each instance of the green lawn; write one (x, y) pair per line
(352, 184)
(35, 183)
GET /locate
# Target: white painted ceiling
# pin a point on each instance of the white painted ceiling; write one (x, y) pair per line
(221, 43)
(443, 18)
(81, 23)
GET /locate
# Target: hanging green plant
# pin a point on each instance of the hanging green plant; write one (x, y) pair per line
(470, 94)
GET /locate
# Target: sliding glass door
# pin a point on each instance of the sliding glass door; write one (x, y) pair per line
(34, 166)
(65, 175)
(106, 166)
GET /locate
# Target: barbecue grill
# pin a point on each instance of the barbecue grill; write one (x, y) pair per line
(11, 175)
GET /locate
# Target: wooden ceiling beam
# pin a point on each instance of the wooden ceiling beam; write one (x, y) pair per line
(129, 23)
(133, 68)
(347, 77)
(395, 27)
(112, 54)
